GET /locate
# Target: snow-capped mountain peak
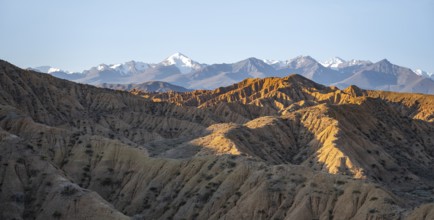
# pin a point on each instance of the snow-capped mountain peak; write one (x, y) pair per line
(354, 62)
(334, 62)
(177, 58)
(48, 69)
(301, 61)
(338, 63)
(130, 67)
(53, 70)
(182, 62)
(271, 62)
(127, 68)
(275, 63)
(115, 66)
(102, 67)
(423, 73)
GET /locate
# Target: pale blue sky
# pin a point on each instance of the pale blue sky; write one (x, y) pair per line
(75, 35)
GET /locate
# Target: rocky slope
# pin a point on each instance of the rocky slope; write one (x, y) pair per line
(383, 75)
(274, 148)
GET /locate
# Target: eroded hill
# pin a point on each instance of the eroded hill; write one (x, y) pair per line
(274, 148)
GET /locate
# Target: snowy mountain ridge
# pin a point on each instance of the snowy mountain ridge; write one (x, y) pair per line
(180, 70)
(182, 62)
(333, 62)
(423, 73)
(337, 63)
(48, 69)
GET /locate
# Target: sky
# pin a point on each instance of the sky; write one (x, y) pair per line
(76, 35)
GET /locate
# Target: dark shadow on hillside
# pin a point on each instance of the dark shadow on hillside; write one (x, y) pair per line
(396, 150)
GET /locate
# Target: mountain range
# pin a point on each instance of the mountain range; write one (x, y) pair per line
(180, 70)
(261, 148)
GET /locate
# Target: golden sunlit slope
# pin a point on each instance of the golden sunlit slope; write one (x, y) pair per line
(383, 135)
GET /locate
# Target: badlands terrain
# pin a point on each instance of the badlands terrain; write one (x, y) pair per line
(270, 148)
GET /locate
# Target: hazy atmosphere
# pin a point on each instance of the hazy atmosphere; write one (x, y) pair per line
(75, 35)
